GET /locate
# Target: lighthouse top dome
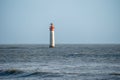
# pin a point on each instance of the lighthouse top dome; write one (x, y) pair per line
(51, 23)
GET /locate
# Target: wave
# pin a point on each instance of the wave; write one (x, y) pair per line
(43, 74)
(15, 73)
(10, 72)
(75, 55)
(115, 74)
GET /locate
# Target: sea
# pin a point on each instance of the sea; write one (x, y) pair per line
(64, 62)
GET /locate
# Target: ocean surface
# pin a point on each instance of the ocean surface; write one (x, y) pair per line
(64, 62)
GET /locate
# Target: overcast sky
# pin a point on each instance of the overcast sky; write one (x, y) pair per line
(76, 21)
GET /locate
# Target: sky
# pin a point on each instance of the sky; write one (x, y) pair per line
(75, 21)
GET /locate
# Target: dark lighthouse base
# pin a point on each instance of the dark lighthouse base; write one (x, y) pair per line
(51, 46)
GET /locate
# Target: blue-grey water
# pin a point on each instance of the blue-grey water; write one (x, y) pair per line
(64, 62)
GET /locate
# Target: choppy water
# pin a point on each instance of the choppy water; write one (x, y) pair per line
(65, 62)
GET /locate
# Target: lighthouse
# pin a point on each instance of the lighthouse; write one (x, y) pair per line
(52, 36)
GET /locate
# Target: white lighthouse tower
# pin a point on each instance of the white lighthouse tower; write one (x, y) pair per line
(52, 36)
